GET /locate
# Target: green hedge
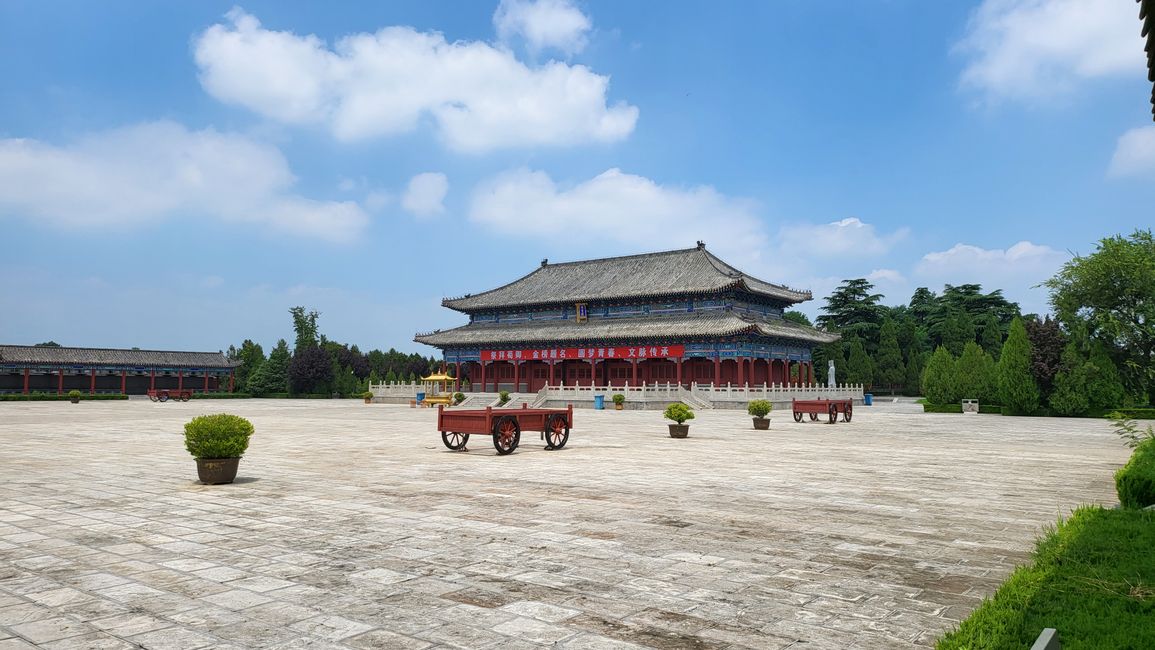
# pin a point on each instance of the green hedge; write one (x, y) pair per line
(221, 396)
(53, 397)
(957, 408)
(1135, 414)
(1090, 579)
(1135, 481)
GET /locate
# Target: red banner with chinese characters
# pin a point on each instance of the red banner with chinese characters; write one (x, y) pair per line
(586, 354)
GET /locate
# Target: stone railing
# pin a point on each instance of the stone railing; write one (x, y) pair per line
(700, 395)
(405, 389)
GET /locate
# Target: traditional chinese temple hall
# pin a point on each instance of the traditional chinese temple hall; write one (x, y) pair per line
(50, 369)
(681, 316)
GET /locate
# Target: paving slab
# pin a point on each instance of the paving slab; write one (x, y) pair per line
(350, 525)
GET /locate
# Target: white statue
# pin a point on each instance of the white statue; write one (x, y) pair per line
(830, 374)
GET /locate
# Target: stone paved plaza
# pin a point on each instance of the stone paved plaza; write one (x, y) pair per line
(351, 526)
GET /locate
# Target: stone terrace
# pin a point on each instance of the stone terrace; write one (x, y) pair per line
(352, 527)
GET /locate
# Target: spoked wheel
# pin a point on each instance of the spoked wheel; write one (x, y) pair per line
(847, 413)
(162, 397)
(556, 431)
(797, 416)
(506, 435)
(813, 417)
(152, 397)
(454, 440)
(833, 414)
(185, 397)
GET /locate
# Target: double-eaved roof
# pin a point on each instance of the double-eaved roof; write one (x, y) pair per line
(643, 329)
(30, 355)
(693, 271)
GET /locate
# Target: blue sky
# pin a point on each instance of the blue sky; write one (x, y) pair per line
(177, 175)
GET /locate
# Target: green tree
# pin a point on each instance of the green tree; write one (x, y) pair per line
(913, 378)
(49, 344)
(833, 352)
(1111, 293)
(1017, 389)
(251, 356)
(272, 376)
(938, 378)
(853, 311)
(990, 334)
(955, 331)
(1105, 389)
(390, 376)
(1070, 394)
(310, 371)
(795, 316)
(859, 369)
(1047, 343)
(305, 325)
(974, 375)
(922, 305)
(888, 361)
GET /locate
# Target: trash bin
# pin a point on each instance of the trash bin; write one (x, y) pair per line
(420, 397)
(867, 399)
(599, 402)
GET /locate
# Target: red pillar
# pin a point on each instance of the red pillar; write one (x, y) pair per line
(678, 363)
(483, 376)
(550, 372)
(123, 382)
(717, 371)
(180, 380)
(27, 372)
(741, 372)
(231, 381)
(457, 377)
(517, 376)
(92, 381)
(152, 378)
(634, 381)
(60, 381)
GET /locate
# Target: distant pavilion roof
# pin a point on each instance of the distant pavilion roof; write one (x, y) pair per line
(54, 356)
(647, 328)
(651, 275)
(1147, 15)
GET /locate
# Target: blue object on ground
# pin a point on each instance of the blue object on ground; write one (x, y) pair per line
(867, 399)
(420, 397)
(599, 402)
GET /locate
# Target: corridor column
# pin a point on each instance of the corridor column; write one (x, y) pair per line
(717, 371)
(516, 377)
(60, 381)
(741, 372)
(92, 381)
(457, 377)
(27, 372)
(634, 381)
(483, 376)
(678, 371)
(123, 382)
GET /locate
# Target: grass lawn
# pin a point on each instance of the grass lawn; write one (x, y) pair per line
(1092, 579)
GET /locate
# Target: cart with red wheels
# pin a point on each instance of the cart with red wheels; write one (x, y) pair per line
(505, 425)
(819, 407)
(165, 394)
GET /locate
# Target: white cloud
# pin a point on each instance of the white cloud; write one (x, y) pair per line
(479, 97)
(1034, 49)
(839, 239)
(619, 208)
(143, 173)
(425, 194)
(543, 24)
(886, 275)
(1017, 270)
(1134, 153)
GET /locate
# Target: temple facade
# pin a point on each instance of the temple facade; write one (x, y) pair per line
(681, 316)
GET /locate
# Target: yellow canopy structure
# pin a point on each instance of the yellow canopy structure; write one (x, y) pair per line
(438, 377)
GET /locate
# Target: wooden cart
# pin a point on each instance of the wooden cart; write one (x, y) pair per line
(175, 394)
(505, 425)
(827, 407)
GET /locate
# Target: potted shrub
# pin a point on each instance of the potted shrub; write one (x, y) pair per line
(760, 408)
(679, 413)
(618, 399)
(217, 442)
(74, 396)
(503, 397)
(368, 395)
(458, 398)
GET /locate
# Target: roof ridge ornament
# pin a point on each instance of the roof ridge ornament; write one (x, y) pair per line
(701, 245)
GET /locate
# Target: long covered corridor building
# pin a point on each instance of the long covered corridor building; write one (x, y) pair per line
(49, 369)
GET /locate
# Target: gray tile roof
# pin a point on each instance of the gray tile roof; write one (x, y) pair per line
(48, 356)
(642, 329)
(680, 272)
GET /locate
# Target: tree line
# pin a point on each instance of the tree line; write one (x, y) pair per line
(318, 365)
(1096, 352)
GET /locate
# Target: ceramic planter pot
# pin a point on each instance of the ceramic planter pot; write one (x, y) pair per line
(679, 430)
(618, 407)
(215, 471)
(762, 424)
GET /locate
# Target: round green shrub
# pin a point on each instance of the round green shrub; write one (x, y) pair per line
(759, 408)
(504, 396)
(217, 436)
(458, 397)
(618, 398)
(367, 394)
(678, 412)
(74, 394)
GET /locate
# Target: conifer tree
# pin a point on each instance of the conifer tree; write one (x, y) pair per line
(938, 378)
(974, 374)
(859, 368)
(914, 368)
(990, 335)
(891, 371)
(272, 376)
(1017, 390)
